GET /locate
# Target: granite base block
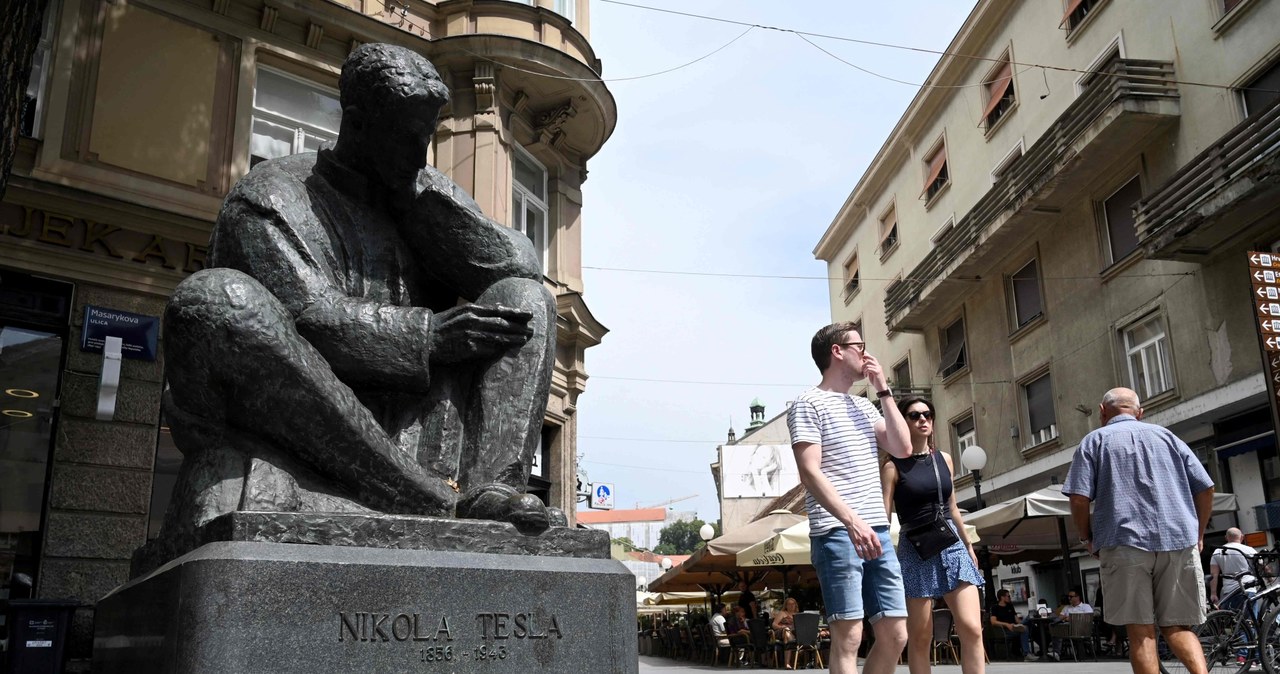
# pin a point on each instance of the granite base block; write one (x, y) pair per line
(282, 608)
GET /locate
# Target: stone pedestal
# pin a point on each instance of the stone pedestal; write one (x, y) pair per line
(245, 605)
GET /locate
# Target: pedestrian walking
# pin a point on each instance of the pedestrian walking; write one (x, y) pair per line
(1151, 501)
(935, 553)
(836, 437)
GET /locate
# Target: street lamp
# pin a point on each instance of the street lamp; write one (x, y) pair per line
(666, 564)
(707, 532)
(975, 459)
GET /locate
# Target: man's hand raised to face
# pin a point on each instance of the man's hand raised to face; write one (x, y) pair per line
(476, 331)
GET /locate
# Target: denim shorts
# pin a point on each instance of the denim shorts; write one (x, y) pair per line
(855, 588)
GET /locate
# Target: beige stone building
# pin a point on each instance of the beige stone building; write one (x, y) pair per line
(142, 114)
(1028, 237)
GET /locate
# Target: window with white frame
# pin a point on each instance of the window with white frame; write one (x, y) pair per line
(965, 434)
(33, 101)
(1260, 92)
(888, 231)
(1146, 348)
(1042, 421)
(852, 282)
(529, 200)
(1077, 12)
(1024, 292)
(291, 115)
(1000, 92)
(567, 8)
(953, 349)
(902, 375)
(1122, 229)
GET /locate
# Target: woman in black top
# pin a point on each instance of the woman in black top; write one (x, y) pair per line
(912, 486)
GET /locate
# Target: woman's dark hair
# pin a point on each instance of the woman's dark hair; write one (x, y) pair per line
(904, 405)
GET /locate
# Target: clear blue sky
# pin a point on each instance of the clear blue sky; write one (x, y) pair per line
(735, 164)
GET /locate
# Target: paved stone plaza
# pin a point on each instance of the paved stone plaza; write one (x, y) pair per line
(652, 665)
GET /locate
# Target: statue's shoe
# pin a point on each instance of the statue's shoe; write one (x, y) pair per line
(502, 503)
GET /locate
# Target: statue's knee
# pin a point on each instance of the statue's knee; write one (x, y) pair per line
(521, 293)
(221, 298)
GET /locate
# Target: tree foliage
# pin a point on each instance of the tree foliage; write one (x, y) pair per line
(681, 537)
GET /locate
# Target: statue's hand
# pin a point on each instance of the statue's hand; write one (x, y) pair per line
(477, 331)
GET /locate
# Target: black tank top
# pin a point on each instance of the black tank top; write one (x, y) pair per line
(915, 496)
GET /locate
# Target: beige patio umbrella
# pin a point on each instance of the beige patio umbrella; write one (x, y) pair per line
(791, 546)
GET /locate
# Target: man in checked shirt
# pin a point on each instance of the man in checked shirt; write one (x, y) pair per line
(1151, 502)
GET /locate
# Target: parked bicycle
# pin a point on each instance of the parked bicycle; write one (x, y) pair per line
(1234, 640)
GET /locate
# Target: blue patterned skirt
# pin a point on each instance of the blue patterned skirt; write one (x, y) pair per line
(939, 574)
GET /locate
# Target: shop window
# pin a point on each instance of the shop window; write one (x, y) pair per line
(164, 477)
(1000, 93)
(1037, 401)
(1024, 293)
(954, 357)
(1146, 348)
(1121, 229)
(936, 176)
(33, 323)
(290, 116)
(1262, 91)
(529, 213)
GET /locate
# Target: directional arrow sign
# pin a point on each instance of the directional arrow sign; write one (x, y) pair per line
(1272, 344)
(1258, 259)
(1270, 325)
(1267, 292)
(1261, 276)
(1269, 308)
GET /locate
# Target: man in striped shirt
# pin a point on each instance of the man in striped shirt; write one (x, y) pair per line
(835, 437)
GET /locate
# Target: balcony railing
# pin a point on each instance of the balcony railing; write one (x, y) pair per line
(1240, 162)
(1122, 81)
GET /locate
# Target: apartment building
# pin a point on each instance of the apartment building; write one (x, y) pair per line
(141, 115)
(1029, 237)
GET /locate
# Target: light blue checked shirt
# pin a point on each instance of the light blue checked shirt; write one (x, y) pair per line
(1141, 479)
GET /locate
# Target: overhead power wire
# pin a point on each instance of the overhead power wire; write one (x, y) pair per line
(797, 277)
(922, 50)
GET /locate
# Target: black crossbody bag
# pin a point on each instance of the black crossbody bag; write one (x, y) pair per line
(936, 536)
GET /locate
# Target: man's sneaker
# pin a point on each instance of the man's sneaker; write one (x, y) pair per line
(1053, 655)
(1031, 658)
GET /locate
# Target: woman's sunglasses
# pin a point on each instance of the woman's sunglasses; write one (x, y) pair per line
(916, 416)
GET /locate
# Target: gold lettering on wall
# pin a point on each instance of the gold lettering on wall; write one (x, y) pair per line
(98, 239)
(54, 230)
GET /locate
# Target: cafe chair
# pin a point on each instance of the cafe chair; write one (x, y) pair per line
(805, 626)
(762, 642)
(942, 620)
(1079, 633)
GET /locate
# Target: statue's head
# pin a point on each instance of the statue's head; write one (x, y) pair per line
(391, 98)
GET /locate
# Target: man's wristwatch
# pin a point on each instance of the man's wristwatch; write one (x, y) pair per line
(884, 394)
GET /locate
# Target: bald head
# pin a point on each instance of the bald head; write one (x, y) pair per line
(1118, 401)
(1234, 535)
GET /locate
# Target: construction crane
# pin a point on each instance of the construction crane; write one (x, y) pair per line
(667, 502)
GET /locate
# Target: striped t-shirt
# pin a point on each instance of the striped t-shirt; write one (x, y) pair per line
(844, 426)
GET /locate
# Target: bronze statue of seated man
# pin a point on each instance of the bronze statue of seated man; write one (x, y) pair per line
(365, 339)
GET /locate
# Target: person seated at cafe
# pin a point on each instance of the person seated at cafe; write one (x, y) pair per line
(783, 621)
(1075, 604)
(1006, 618)
(738, 630)
(719, 625)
